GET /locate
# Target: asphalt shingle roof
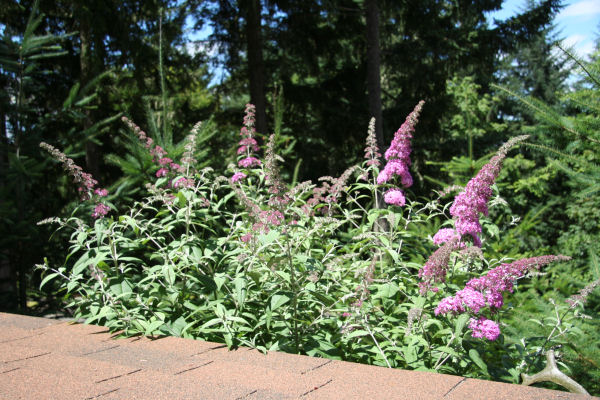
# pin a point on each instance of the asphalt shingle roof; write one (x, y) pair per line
(49, 359)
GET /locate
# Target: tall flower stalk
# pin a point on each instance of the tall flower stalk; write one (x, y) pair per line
(486, 292)
(248, 144)
(473, 200)
(398, 158)
(86, 184)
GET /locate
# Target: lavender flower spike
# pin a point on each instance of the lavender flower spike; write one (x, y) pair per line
(473, 200)
(486, 292)
(434, 270)
(371, 150)
(398, 154)
(248, 144)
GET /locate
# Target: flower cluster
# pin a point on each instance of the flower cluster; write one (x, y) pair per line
(165, 164)
(372, 151)
(581, 297)
(238, 176)
(248, 144)
(474, 198)
(487, 292)
(279, 197)
(84, 181)
(361, 292)
(398, 156)
(328, 194)
(188, 160)
(100, 210)
(444, 235)
(434, 270)
(484, 328)
(394, 197)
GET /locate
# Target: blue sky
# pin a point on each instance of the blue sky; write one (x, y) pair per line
(578, 23)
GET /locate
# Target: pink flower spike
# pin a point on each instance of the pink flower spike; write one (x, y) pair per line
(101, 192)
(484, 328)
(237, 177)
(161, 172)
(249, 162)
(100, 211)
(394, 197)
(398, 154)
(165, 161)
(473, 200)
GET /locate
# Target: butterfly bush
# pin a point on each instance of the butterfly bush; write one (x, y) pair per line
(248, 260)
(248, 144)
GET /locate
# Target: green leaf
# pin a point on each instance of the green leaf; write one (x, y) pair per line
(210, 323)
(220, 280)
(474, 355)
(357, 333)
(169, 273)
(461, 321)
(268, 238)
(178, 325)
(325, 299)
(240, 290)
(284, 275)
(81, 263)
(277, 300)
(447, 350)
(48, 278)
(386, 290)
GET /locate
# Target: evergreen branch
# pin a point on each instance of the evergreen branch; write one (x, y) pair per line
(546, 113)
(580, 64)
(572, 158)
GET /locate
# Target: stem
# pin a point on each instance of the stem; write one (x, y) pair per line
(376, 342)
(438, 364)
(294, 299)
(187, 218)
(558, 323)
(113, 252)
(162, 79)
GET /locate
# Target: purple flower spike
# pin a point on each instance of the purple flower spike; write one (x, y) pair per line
(394, 197)
(484, 328)
(473, 200)
(398, 156)
(487, 292)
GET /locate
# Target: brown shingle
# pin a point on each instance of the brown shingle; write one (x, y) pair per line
(46, 359)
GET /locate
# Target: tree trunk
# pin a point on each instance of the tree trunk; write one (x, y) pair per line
(374, 90)
(256, 66)
(8, 273)
(373, 69)
(85, 63)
